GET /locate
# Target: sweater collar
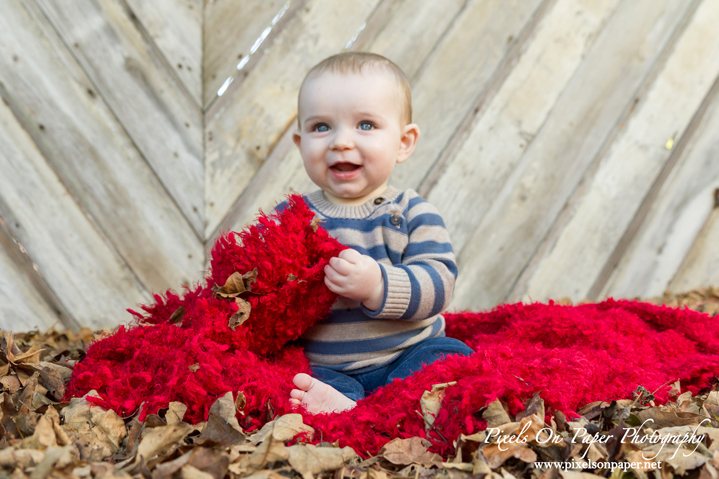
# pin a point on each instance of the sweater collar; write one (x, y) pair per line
(331, 210)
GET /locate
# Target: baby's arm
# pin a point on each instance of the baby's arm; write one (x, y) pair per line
(420, 287)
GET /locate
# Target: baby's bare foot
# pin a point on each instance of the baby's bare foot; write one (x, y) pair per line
(318, 396)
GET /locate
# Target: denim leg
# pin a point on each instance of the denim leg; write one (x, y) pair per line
(341, 382)
(423, 354)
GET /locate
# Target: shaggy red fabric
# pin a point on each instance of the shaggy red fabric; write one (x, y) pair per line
(570, 355)
(199, 357)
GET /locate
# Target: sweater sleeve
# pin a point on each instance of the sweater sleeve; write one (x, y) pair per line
(422, 285)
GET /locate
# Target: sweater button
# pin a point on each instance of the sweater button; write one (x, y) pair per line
(378, 201)
(396, 220)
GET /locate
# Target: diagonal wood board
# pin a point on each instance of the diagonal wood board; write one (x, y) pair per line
(569, 144)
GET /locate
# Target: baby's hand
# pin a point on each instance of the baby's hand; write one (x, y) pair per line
(356, 276)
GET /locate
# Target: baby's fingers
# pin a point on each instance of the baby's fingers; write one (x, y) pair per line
(341, 266)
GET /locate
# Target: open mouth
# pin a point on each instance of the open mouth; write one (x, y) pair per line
(344, 166)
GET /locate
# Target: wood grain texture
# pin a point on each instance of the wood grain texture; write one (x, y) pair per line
(241, 135)
(231, 29)
(581, 121)
(176, 28)
(505, 127)
(133, 79)
(72, 257)
(675, 220)
(90, 153)
(22, 308)
(701, 266)
(399, 31)
(446, 90)
(633, 163)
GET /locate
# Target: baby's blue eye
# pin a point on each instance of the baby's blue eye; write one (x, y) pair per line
(322, 128)
(365, 125)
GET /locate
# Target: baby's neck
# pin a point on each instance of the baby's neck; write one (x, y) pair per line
(354, 201)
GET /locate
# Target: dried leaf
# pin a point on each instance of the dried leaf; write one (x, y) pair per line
(176, 411)
(291, 277)
(242, 314)
(222, 425)
(309, 460)
(190, 472)
(12, 458)
(314, 224)
(80, 413)
(177, 316)
(661, 418)
(209, 461)
(282, 429)
(431, 402)
(408, 451)
(240, 402)
(10, 383)
(194, 367)
(233, 286)
(525, 432)
(495, 415)
(236, 284)
(268, 452)
(31, 356)
(159, 440)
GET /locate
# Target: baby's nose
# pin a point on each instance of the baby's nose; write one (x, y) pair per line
(342, 139)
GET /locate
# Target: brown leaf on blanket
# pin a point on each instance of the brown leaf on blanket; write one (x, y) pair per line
(283, 429)
(408, 451)
(495, 414)
(222, 426)
(236, 284)
(242, 314)
(431, 402)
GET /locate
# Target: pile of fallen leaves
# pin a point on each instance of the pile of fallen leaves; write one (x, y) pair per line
(40, 436)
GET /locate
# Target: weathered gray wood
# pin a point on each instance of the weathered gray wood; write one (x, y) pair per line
(74, 259)
(633, 163)
(176, 27)
(505, 127)
(90, 153)
(231, 29)
(26, 301)
(412, 30)
(240, 136)
(701, 266)
(452, 78)
(406, 34)
(675, 220)
(133, 79)
(22, 308)
(585, 115)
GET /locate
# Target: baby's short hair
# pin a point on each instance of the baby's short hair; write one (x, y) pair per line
(355, 62)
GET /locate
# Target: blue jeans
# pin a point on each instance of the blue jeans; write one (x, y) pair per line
(414, 358)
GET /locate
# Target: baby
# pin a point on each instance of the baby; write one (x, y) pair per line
(355, 124)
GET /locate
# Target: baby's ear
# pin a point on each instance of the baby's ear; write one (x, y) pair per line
(410, 137)
(297, 138)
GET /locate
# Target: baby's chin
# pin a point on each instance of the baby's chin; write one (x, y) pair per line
(349, 198)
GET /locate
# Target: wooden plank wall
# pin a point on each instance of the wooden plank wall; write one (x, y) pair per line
(570, 145)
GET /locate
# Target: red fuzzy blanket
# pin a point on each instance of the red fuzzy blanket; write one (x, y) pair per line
(228, 336)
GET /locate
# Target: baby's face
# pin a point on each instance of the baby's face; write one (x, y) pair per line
(351, 134)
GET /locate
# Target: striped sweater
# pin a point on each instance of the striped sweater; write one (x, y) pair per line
(406, 235)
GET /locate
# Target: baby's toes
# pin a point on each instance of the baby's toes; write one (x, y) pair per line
(302, 381)
(296, 394)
